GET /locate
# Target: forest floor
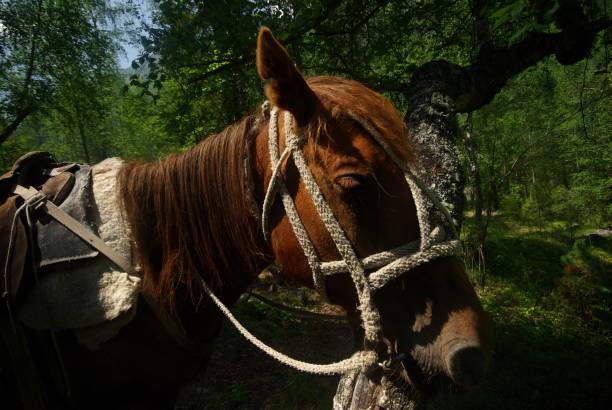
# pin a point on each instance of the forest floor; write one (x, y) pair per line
(550, 301)
(240, 376)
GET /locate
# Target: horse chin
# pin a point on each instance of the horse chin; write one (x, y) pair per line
(418, 383)
(417, 375)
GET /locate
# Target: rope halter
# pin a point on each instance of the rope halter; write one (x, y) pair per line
(389, 264)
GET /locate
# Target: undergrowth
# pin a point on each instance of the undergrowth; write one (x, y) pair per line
(549, 300)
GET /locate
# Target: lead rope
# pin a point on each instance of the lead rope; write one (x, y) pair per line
(359, 360)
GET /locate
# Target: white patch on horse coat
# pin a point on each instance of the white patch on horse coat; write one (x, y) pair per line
(92, 297)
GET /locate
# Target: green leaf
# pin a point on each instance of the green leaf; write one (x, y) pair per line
(502, 11)
(519, 33)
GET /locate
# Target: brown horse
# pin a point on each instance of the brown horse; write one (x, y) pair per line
(197, 215)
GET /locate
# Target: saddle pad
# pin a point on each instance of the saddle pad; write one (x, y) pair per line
(56, 243)
(89, 296)
(79, 298)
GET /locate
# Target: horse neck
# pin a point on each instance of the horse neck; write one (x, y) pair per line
(190, 218)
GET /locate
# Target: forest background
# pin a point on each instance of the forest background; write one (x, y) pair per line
(535, 153)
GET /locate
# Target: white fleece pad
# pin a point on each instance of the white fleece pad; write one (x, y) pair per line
(92, 297)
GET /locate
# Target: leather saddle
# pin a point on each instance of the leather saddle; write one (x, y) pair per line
(67, 185)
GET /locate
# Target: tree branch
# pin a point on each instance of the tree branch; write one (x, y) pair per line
(440, 89)
(333, 5)
(356, 26)
(226, 67)
(475, 86)
(19, 118)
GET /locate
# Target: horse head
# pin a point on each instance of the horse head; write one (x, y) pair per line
(334, 176)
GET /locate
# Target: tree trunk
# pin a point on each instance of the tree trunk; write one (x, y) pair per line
(25, 98)
(471, 148)
(357, 391)
(433, 133)
(475, 247)
(82, 134)
(83, 141)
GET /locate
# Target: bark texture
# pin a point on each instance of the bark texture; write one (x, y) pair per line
(357, 391)
(431, 121)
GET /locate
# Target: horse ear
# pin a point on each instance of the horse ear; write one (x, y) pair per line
(287, 88)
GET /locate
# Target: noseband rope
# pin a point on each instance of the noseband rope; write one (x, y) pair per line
(389, 264)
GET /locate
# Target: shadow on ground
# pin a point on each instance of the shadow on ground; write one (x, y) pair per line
(240, 376)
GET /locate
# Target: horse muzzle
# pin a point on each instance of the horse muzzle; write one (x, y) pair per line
(433, 368)
(466, 363)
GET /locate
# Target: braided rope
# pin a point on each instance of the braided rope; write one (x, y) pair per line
(270, 194)
(369, 313)
(376, 260)
(404, 264)
(290, 209)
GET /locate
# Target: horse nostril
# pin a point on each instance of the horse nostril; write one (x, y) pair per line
(466, 364)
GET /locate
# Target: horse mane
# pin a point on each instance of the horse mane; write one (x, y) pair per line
(188, 212)
(189, 216)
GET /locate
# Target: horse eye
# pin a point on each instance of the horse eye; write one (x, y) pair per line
(350, 181)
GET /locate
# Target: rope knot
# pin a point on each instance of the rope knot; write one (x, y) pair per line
(36, 201)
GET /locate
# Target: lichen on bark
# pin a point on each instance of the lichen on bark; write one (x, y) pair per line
(432, 125)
